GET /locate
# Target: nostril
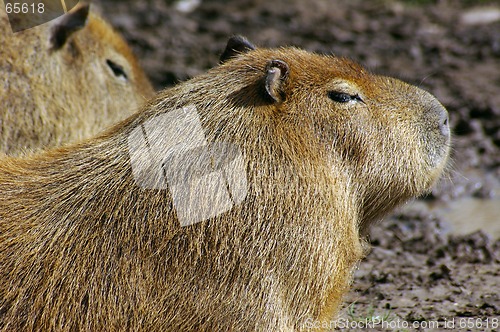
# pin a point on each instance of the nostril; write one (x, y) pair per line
(439, 116)
(443, 123)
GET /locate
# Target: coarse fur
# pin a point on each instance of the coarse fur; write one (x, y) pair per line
(64, 81)
(83, 247)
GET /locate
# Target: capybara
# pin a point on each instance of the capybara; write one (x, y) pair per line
(64, 81)
(234, 201)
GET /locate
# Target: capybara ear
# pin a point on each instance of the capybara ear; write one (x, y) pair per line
(276, 74)
(70, 23)
(236, 45)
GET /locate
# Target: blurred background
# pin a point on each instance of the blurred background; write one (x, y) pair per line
(440, 252)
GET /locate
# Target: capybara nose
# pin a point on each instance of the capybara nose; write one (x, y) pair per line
(443, 122)
(440, 115)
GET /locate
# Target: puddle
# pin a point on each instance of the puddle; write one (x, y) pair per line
(467, 215)
(471, 214)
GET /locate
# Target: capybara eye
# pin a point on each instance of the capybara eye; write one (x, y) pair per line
(340, 97)
(117, 69)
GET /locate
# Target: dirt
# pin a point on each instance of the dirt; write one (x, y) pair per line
(425, 265)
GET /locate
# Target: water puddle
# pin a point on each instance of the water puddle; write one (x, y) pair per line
(467, 215)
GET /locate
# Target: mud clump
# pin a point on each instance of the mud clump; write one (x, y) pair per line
(416, 272)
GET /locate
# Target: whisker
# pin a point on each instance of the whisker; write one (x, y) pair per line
(426, 77)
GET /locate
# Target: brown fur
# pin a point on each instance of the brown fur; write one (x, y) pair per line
(52, 96)
(82, 247)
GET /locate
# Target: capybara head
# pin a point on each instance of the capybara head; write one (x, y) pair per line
(389, 138)
(231, 202)
(65, 80)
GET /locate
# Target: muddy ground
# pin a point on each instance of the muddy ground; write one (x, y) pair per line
(425, 265)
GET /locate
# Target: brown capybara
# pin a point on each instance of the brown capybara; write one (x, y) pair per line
(64, 81)
(231, 202)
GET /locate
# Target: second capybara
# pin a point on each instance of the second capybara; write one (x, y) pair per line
(64, 81)
(231, 202)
